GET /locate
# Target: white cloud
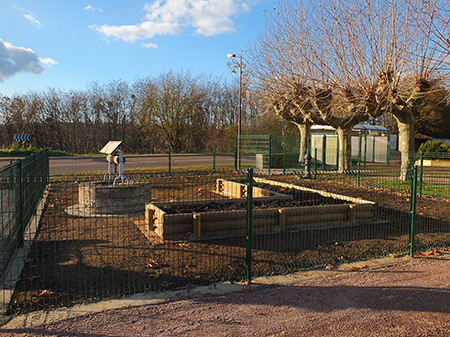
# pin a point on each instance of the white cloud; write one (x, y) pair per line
(93, 9)
(19, 59)
(145, 30)
(214, 17)
(29, 16)
(32, 19)
(48, 61)
(171, 17)
(149, 45)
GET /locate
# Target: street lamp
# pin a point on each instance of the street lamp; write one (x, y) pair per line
(238, 159)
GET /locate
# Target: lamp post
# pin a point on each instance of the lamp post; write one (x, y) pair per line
(238, 150)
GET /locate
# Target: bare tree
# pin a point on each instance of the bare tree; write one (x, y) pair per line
(173, 102)
(295, 63)
(347, 61)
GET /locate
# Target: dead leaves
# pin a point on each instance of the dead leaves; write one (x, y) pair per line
(153, 264)
(351, 268)
(434, 252)
(46, 293)
(357, 267)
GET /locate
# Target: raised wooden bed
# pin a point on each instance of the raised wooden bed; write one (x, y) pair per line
(233, 223)
(434, 162)
(234, 189)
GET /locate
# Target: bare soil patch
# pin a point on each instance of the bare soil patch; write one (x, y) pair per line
(75, 260)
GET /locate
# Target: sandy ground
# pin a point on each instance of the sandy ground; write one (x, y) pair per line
(410, 299)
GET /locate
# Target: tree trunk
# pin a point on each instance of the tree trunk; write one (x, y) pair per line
(345, 145)
(406, 146)
(305, 138)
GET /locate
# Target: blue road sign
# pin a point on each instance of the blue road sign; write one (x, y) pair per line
(19, 137)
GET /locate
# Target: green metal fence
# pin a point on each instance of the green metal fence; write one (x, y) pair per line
(283, 152)
(207, 227)
(271, 152)
(22, 184)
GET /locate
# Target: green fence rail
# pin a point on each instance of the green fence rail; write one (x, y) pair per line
(164, 231)
(22, 184)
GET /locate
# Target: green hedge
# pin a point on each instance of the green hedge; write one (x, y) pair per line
(26, 151)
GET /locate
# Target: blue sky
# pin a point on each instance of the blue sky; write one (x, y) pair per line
(66, 44)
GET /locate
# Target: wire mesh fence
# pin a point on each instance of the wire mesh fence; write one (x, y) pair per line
(318, 229)
(21, 187)
(92, 244)
(283, 152)
(96, 240)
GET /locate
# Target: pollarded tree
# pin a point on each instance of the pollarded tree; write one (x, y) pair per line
(354, 60)
(297, 56)
(394, 44)
(434, 114)
(273, 67)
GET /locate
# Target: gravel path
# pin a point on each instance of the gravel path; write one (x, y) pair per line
(411, 299)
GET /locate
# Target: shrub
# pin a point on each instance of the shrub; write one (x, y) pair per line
(26, 151)
(434, 146)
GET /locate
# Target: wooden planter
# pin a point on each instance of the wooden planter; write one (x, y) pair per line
(233, 223)
(233, 189)
(434, 162)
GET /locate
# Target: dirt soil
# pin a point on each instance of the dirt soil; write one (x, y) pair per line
(412, 299)
(77, 260)
(300, 199)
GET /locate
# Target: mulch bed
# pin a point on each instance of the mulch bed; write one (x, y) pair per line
(300, 199)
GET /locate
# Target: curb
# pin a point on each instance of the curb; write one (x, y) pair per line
(37, 318)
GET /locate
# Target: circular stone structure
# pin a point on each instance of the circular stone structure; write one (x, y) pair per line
(106, 198)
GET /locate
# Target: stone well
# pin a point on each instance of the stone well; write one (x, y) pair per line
(104, 198)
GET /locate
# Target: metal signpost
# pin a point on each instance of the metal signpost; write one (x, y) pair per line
(21, 137)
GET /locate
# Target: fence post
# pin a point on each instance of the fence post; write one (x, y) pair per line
(284, 159)
(315, 163)
(324, 151)
(358, 174)
(47, 168)
(413, 210)
(388, 152)
(238, 151)
(248, 238)
(42, 172)
(421, 173)
(21, 200)
(214, 160)
(337, 151)
(373, 149)
(365, 148)
(170, 161)
(270, 151)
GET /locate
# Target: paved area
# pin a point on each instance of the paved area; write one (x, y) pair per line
(79, 164)
(385, 297)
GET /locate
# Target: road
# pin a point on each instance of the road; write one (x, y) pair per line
(61, 165)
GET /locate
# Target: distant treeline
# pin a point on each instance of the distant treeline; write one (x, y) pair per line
(174, 110)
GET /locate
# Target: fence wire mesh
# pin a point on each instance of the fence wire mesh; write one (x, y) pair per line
(163, 231)
(22, 184)
(92, 244)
